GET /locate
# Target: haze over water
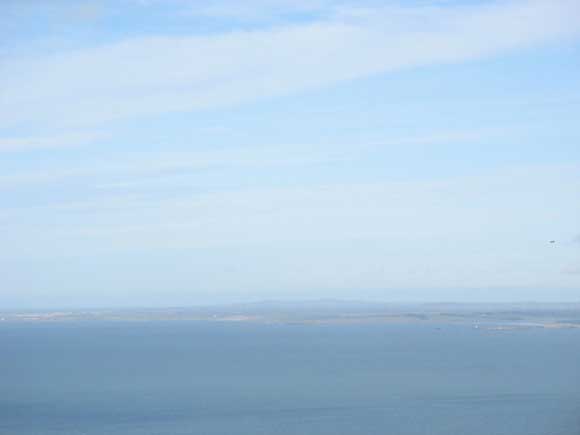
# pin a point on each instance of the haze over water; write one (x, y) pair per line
(246, 379)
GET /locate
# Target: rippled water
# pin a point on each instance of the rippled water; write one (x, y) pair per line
(244, 379)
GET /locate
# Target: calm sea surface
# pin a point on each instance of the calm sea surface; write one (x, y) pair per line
(243, 379)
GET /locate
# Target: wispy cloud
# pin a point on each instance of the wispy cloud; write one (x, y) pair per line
(66, 140)
(457, 208)
(250, 10)
(150, 169)
(151, 75)
(260, 10)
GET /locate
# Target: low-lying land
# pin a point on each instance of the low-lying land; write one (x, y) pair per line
(497, 317)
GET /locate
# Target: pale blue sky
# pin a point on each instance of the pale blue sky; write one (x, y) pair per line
(185, 152)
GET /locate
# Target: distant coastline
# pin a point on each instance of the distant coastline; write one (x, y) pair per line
(492, 317)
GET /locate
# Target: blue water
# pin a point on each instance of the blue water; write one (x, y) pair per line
(244, 379)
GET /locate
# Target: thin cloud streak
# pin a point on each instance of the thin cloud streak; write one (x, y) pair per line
(152, 75)
(68, 140)
(399, 211)
(259, 10)
(162, 168)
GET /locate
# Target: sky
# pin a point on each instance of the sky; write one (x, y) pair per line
(185, 152)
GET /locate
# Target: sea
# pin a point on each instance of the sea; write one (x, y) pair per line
(243, 378)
